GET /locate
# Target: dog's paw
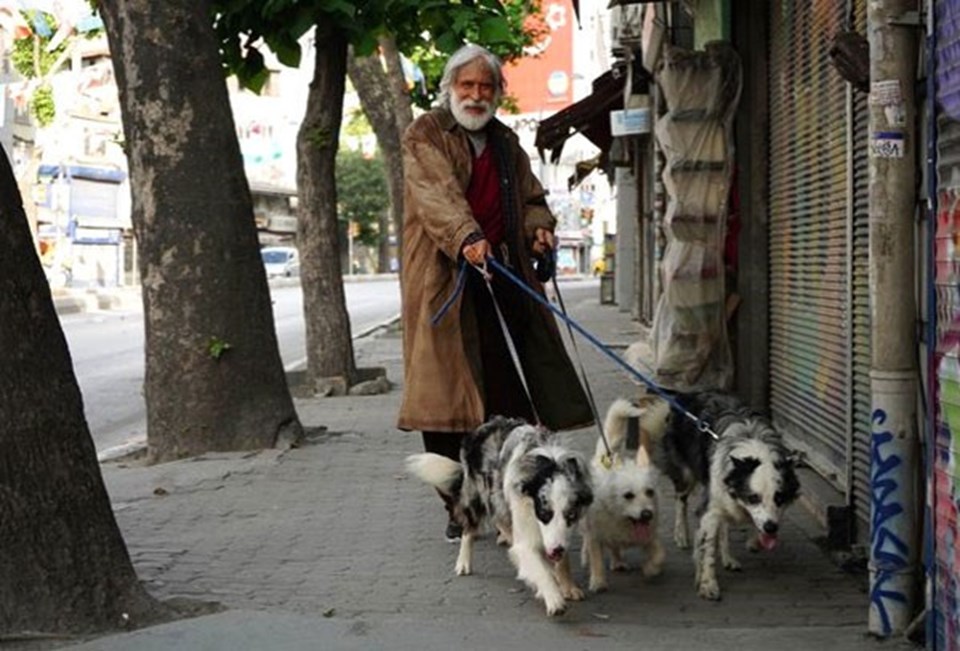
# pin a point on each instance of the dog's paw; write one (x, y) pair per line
(681, 540)
(503, 539)
(709, 590)
(555, 605)
(463, 569)
(598, 585)
(732, 564)
(651, 569)
(573, 593)
(618, 566)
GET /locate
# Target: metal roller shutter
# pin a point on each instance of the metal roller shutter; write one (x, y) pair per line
(811, 339)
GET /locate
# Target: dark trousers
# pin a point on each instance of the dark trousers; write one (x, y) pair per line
(446, 444)
(502, 389)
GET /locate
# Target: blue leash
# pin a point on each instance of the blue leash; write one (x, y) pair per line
(461, 281)
(702, 425)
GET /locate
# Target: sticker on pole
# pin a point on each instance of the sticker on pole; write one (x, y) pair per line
(887, 144)
(886, 93)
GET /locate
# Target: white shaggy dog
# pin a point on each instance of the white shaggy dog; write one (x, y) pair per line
(625, 511)
(534, 490)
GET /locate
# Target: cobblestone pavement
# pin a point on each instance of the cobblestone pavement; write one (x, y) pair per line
(335, 532)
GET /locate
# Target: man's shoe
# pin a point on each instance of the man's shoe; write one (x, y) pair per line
(454, 532)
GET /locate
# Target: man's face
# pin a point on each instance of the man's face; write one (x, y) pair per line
(474, 98)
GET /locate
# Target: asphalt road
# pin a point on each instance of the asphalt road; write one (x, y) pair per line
(108, 357)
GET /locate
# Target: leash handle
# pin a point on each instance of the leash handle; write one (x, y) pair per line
(604, 349)
(547, 266)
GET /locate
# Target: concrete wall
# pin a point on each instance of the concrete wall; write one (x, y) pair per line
(751, 323)
(625, 285)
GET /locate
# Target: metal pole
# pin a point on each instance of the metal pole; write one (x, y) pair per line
(894, 471)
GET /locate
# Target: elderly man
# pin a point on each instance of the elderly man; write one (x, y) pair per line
(470, 195)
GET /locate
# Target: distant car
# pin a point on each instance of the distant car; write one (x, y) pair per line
(281, 261)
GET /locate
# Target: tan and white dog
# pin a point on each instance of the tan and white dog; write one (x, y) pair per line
(625, 509)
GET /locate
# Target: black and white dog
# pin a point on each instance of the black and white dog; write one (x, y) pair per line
(519, 478)
(625, 510)
(748, 475)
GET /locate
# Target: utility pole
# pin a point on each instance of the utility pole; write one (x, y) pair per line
(894, 468)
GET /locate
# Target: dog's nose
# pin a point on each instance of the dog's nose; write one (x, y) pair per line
(770, 527)
(556, 553)
(646, 515)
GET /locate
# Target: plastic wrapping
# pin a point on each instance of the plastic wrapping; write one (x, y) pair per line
(691, 350)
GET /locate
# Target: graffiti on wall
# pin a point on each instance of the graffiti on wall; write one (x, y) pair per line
(889, 551)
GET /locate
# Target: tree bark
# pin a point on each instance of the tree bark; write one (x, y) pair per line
(63, 563)
(403, 108)
(329, 344)
(385, 102)
(214, 377)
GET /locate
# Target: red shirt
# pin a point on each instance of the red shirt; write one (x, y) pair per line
(483, 195)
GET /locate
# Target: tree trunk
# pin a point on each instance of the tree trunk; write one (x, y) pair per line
(403, 109)
(377, 89)
(214, 377)
(329, 344)
(63, 563)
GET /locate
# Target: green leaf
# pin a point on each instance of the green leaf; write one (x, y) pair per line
(495, 30)
(216, 347)
(448, 43)
(288, 52)
(366, 45)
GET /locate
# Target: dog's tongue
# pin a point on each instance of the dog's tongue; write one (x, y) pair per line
(641, 532)
(767, 541)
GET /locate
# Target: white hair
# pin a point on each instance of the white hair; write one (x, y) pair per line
(460, 58)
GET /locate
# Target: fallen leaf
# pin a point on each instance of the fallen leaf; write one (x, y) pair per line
(586, 632)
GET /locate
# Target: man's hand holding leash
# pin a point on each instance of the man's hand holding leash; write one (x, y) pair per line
(543, 241)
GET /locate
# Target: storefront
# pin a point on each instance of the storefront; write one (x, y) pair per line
(83, 224)
(818, 249)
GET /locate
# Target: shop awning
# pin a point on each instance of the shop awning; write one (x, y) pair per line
(590, 116)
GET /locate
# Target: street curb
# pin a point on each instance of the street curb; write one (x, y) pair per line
(380, 326)
(122, 450)
(133, 447)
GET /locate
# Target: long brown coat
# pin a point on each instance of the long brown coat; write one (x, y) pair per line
(441, 362)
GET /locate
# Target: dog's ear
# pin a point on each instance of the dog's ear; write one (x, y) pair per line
(534, 472)
(577, 467)
(741, 471)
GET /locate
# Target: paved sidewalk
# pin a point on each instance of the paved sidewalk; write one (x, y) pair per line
(331, 546)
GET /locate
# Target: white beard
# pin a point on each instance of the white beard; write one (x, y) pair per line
(467, 120)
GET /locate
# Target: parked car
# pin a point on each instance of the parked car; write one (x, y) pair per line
(281, 261)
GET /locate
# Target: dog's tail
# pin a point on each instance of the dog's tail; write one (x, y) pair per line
(653, 413)
(443, 473)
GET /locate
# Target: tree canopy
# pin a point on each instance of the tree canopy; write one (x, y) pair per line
(427, 31)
